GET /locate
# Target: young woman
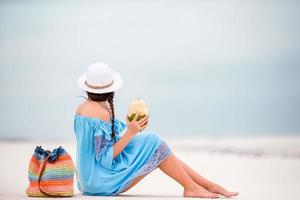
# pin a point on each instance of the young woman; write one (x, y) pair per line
(113, 156)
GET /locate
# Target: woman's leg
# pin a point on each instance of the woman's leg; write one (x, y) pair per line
(134, 182)
(173, 168)
(205, 182)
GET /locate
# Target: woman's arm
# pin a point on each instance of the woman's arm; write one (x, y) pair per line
(121, 144)
(133, 128)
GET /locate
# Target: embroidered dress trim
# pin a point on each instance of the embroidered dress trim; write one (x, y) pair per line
(160, 154)
(101, 144)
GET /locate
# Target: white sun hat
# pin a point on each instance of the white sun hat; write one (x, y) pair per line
(100, 78)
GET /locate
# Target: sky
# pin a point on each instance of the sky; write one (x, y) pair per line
(206, 68)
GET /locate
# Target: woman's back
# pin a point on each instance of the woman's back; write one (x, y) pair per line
(92, 125)
(88, 113)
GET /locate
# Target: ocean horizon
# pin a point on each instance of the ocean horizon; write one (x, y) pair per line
(270, 146)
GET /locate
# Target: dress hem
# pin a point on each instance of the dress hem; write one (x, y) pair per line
(163, 151)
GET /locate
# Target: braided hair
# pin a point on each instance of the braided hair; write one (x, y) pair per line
(106, 97)
(111, 104)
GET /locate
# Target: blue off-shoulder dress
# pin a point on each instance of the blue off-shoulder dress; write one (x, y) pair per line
(101, 174)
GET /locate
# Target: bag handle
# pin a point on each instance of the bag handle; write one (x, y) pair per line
(39, 181)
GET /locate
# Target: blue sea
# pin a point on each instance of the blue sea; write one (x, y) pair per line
(205, 68)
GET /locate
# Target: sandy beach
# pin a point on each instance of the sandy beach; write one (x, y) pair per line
(259, 168)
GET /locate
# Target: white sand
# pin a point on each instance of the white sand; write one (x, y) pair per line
(261, 168)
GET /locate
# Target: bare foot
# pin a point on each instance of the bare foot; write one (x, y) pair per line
(215, 188)
(199, 192)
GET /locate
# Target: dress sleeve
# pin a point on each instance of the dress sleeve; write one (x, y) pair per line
(120, 127)
(103, 146)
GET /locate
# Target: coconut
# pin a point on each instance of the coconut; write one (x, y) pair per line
(137, 107)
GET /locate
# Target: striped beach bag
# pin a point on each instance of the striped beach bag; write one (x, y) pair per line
(51, 174)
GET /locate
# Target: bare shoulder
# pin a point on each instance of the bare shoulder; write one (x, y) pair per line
(94, 111)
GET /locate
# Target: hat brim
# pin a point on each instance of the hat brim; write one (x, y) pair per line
(118, 81)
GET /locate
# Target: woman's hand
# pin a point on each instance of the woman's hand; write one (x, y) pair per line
(135, 126)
